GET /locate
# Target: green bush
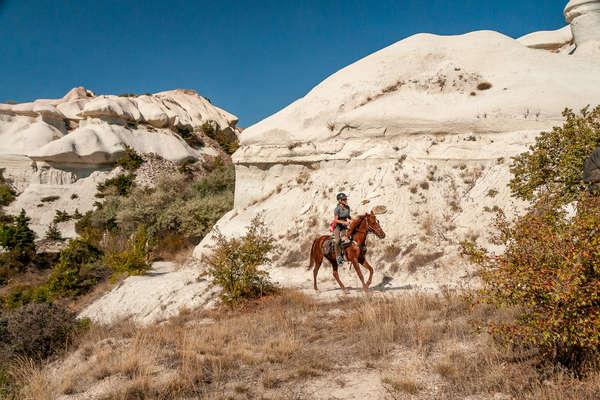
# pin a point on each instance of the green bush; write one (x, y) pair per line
(36, 330)
(554, 164)
(190, 137)
(550, 274)
(78, 269)
(21, 295)
(17, 235)
(61, 216)
(53, 233)
(18, 239)
(49, 199)
(233, 264)
(7, 195)
(121, 185)
(93, 224)
(131, 160)
(134, 260)
(175, 208)
(228, 141)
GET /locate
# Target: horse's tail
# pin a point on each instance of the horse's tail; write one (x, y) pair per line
(313, 253)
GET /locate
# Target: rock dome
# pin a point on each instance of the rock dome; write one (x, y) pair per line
(584, 17)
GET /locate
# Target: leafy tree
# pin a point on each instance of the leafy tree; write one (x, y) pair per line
(53, 233)
(554, 164)
(17, 236)
(130, 160)
(121, 184)
(134, 260)
(7, 195)
(76, 270)
(549, 274)
(233, 264)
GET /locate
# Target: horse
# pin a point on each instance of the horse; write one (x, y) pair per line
(359, 229)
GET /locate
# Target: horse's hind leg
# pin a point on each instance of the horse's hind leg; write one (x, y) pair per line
(368, 266)
(318, 262)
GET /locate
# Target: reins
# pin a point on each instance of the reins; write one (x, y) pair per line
(358, 225)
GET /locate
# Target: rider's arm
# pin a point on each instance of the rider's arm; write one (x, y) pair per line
(339, 221)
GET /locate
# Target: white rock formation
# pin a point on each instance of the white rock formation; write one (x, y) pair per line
(158, 295)
(65, 147)
(425, 127)
(549, 40)
(584, 17)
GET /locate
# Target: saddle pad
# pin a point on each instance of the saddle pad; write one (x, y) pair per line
(328, 247)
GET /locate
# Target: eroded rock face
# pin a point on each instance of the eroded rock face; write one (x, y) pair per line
(65, 147)
(584, 17)
(425, 127)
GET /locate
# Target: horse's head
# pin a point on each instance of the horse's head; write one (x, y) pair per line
(373, 225)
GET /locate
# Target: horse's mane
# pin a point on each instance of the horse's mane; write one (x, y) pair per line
(355, 223)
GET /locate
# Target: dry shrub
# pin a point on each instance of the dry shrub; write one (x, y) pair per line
(484, 86)
(233, 263)
(428, 223)
(279, 343)
(391, 252)
(34, 330)
(398, 382)
(420, 260)
(409, 249)
(302, 177)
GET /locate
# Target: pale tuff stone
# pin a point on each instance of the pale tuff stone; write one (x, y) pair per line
(425, 127)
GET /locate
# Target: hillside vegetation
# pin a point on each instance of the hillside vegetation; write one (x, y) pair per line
(535, 315)
(130, 228)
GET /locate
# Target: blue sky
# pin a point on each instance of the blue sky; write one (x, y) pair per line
(251, 58)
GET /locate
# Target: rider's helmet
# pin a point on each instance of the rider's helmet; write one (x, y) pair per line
(341, 196)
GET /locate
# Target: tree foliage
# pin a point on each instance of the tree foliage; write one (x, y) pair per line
(233, 264)
(550, 273)
(176, 208)
(77, 270)
(553, 165)
(134, 260)
(18, 240)
(7, 194)
(130, 160)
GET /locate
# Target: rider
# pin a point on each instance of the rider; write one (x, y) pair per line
(342, 221)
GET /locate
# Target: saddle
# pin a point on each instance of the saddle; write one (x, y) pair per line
(329, 246)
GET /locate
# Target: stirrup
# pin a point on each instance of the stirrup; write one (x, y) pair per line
(340, 260)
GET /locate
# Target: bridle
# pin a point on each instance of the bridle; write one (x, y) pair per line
(369, 229)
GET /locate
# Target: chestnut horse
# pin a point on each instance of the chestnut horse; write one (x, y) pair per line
(359, 229)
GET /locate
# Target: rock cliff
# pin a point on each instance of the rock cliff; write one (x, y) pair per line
(425, 129)
(64, 147)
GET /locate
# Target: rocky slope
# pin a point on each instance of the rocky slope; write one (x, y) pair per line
(425, 128)
(65, 147)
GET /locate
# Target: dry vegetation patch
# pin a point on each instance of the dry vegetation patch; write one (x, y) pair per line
(279, 346)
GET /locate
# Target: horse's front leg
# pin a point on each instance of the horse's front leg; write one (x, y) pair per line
(368, 266)
(359, 273)
(337, 278)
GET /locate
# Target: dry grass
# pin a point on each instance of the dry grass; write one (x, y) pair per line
(420, 260)
(428, 224)
(281, 344)
(391, 252)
